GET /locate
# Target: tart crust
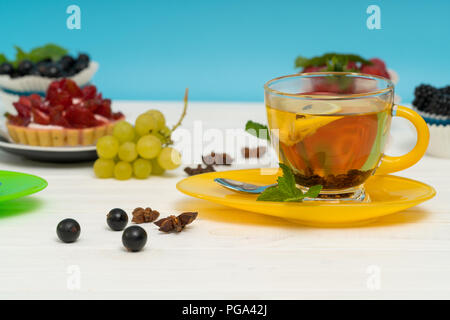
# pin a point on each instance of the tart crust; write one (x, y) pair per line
(59, 137)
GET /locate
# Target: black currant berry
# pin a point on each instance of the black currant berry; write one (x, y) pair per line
(6, 68)
(25, 66)
(134, 238)
(68, 230)
(117, 219)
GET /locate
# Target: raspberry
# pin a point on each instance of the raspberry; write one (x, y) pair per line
(378, 62)
(351, 65)
(375, 70)
(423, 94)
(314, 68)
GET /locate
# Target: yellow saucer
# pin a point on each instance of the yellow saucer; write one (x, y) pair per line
(388, 194)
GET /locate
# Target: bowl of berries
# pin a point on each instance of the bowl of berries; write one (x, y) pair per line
(337, 62)
(33, 71)
(433, 104)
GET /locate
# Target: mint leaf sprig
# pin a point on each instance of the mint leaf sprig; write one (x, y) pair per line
(257, 129)
(333, 61)
(48, 51)
(286, 190)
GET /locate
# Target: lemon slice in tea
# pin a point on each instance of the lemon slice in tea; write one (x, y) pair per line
(320, 108)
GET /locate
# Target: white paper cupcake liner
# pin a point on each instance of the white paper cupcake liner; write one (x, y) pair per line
(439, 141)
(433, 118)
(33, 84)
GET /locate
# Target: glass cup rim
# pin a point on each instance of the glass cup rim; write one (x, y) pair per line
(390, 86)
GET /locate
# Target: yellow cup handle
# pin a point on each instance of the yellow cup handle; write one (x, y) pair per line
(392, 164)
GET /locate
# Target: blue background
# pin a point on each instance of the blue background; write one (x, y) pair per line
(226, 50)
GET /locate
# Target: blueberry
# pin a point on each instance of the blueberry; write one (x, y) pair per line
(42, 68)
(134, 238)
(117, 219)
(34, 72)
(80, 65)
(15, 74)
(25, 67)
(66, 62)
(82, 57)
(53, 71)
(6, 68)
(68, 230)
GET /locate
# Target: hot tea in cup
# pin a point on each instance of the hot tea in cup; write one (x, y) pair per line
(331, 129)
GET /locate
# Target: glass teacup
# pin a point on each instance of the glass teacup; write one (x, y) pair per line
(331, 129)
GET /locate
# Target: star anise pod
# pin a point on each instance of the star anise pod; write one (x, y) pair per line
(174, 223)
(141, 215)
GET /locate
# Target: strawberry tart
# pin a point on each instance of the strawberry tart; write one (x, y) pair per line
(67, 116)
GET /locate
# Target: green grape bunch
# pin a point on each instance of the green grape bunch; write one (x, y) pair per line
(140, 150)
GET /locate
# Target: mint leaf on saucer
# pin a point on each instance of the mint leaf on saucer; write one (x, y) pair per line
(286, 183)
(286, 190)
(313, 192)
(271, 194)
(258, 130)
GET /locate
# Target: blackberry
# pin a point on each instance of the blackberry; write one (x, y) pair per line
(423, 95)
(445, 90)
(6, 68)
(439, 104)
(25, 66)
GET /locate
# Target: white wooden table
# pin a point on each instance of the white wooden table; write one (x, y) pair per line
(226, 253)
